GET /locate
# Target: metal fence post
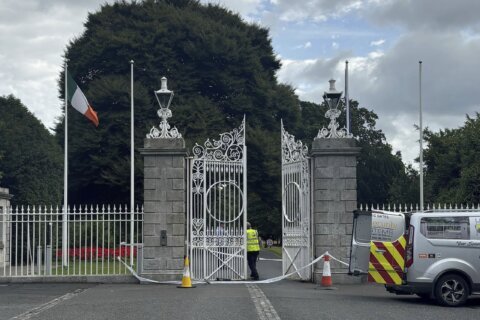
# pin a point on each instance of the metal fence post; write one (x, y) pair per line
(39, 260)
(139, 258)
(48, 260)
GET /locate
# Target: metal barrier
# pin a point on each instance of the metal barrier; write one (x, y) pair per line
(410, 207)
(95, 238)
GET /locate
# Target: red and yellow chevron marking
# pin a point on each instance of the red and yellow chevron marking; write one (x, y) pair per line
(387, 261)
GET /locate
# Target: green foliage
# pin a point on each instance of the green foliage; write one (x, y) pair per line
(32, 163)
(221, 69)
(452, 162)
(378, 170)
(405, 187)
(1, 156)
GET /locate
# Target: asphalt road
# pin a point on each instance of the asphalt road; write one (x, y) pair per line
(287, 300)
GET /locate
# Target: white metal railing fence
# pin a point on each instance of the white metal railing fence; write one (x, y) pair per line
(399, 207)
(96, 238)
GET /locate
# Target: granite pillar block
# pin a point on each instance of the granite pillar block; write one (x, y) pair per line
(164, 208)
(334, 199)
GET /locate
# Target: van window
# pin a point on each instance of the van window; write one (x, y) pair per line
(475, 228)
(363, 228)
(445, 228)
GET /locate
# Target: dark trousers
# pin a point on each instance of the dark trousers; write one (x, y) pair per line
(252, 263)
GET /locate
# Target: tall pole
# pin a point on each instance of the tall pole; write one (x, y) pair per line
(421, 133)
(65, 176)
(132, 168)
(347, 99)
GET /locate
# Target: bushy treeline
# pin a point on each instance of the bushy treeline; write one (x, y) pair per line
(221, 69)
(452, 164)
(31, 161)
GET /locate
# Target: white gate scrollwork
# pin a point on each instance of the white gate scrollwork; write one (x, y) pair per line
(218, 210)
(295, 206)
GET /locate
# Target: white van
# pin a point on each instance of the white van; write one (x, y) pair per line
(437, 256)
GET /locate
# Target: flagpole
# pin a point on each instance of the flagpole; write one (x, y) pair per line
(132, 167)
(347, 99)
(65, 176)
(421, 133)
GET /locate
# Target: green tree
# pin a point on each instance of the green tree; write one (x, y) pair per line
(452, 164)
(405, 187)
(1, 173)
(377, 168)
(220, 68)
(32, 163)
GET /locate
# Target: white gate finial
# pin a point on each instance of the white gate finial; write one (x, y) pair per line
(292, 150)
(230, 146)
(332, 99)
(164, 99)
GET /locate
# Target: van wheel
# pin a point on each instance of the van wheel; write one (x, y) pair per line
(451, 290)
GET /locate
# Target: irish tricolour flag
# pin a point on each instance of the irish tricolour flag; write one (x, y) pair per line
(79, 101)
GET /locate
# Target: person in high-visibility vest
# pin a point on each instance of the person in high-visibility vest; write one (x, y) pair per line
(253, 249)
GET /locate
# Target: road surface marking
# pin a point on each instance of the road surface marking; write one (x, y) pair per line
(264, 307)
(37, 310)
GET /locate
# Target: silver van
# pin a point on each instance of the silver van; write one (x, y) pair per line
(441, 255)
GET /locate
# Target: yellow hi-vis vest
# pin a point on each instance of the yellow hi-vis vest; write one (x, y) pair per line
(252, 240)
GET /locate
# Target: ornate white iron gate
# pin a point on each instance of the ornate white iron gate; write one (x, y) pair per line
(295, 206)
(218, 208)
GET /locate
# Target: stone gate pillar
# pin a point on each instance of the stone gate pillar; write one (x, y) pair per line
(164, 196)
(164, 208)
(334, 199)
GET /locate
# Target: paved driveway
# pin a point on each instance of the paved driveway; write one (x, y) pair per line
(281, 300)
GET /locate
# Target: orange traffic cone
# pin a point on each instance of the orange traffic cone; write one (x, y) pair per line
(186, 280)
(326, 283)
(326, 275)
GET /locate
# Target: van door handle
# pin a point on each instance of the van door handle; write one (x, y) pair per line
(380, 251)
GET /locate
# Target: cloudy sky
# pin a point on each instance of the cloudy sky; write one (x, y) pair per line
(382, 39)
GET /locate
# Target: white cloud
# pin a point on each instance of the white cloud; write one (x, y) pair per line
(306, 45)
(245, 8)
(316, 10)
(444, 34)
(351, 6)
(33, 35)
(387, 83)
(432, 15)
(377, 43)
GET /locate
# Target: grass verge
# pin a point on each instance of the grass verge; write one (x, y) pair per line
(275, 250)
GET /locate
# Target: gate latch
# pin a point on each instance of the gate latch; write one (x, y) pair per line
(163, 238)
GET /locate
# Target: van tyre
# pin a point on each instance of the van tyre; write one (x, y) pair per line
(451, 290)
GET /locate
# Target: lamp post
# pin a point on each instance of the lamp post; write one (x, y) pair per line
(332, 98)
(421, 133)
(164, 98)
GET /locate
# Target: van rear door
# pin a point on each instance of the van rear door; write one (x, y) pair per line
(361, 237)
(378, 246)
